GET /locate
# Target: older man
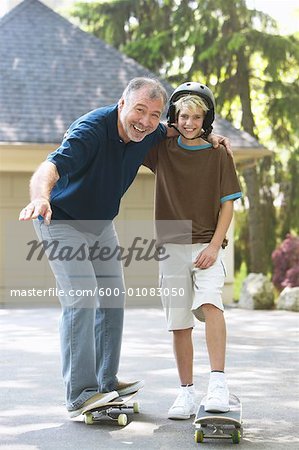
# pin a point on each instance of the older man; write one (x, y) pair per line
(75, 195)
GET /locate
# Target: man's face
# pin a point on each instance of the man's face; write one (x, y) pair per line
(190, 121)
(138, 115)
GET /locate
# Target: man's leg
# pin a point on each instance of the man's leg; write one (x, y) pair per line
(76, 280)
(77, 354)
(108, 332)
(109, 316)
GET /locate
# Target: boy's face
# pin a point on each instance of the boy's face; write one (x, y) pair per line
(190, 121)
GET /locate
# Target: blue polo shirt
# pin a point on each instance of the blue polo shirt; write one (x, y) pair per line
(96, 167)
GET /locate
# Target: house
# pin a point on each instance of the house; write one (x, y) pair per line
(51, 72)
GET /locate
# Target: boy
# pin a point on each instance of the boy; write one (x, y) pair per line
(194, 183)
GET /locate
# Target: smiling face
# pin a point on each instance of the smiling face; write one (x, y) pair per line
(190, 114)
(138, 115)
(190, 122)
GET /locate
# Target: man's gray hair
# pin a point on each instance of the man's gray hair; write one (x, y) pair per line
(156, 89)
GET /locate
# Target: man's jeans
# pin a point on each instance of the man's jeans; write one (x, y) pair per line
(91, 293)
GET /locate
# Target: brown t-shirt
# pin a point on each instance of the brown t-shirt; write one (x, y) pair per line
(191, 184)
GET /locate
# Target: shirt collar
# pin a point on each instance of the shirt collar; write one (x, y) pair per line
(112, 124)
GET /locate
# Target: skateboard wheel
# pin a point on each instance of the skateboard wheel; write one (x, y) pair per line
(236, 436)
(122, 420)
(136, 407)
(88, 419)
(198, 436)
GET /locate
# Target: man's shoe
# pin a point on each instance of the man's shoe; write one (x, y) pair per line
(96, 400)
(123, 388)
(185, 404)
(218, 394)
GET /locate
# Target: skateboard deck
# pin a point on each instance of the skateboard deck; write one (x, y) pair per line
(109, 409)
(219, 425)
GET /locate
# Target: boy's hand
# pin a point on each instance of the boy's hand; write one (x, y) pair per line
(38, 207)
(207, 257)
(217, 139)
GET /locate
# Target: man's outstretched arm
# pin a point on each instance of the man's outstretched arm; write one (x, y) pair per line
(41, 184)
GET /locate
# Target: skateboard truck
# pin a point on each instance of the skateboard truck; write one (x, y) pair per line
(109, 409)
(219, 425)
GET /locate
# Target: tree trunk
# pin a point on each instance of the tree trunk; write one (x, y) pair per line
(258, 259)
(257, 239)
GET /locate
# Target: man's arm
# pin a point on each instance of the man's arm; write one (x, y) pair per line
(214, 139)
(41, 185)
(209, 255)
(217, 139)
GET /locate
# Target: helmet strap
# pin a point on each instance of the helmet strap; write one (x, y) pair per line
(189, 139)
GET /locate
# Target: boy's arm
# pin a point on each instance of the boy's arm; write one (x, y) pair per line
(209, 255)
(41, 185)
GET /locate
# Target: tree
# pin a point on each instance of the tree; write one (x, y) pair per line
(229, 58)
(254, 72)
(141, 29)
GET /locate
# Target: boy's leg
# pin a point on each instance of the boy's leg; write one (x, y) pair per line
(215, 336)
(175, 276)
(184, 405)
(183, 351)
(208, 307)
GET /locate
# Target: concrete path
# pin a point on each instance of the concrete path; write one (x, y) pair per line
(262, 369)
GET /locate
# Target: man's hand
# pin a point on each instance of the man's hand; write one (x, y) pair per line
(216, 140)
(41, 185)
(38, 207)
(207, 257)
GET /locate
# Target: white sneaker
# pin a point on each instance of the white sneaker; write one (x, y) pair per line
(184, 405)
(218, 394)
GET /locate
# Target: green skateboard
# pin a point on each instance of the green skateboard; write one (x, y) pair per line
(219, 425)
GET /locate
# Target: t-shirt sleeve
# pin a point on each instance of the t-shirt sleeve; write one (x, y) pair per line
(230, 188)
(162, 130)
(77, 149)
(151, 159)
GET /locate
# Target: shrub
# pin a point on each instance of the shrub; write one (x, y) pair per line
(286, 263)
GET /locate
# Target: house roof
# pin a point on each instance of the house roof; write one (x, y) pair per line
(51, 72)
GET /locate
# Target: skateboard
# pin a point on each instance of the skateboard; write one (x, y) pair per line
(108, 409)
(219, 425)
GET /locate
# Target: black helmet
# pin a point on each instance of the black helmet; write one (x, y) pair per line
(193, 88)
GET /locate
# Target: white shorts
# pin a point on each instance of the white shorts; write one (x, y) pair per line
(184, 288)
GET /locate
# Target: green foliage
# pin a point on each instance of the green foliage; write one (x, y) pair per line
(287, 180)
(140, 29)
(241, 244)
(240, 276)
(254, 74)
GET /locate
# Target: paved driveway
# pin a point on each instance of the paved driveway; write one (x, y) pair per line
(262, 369)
